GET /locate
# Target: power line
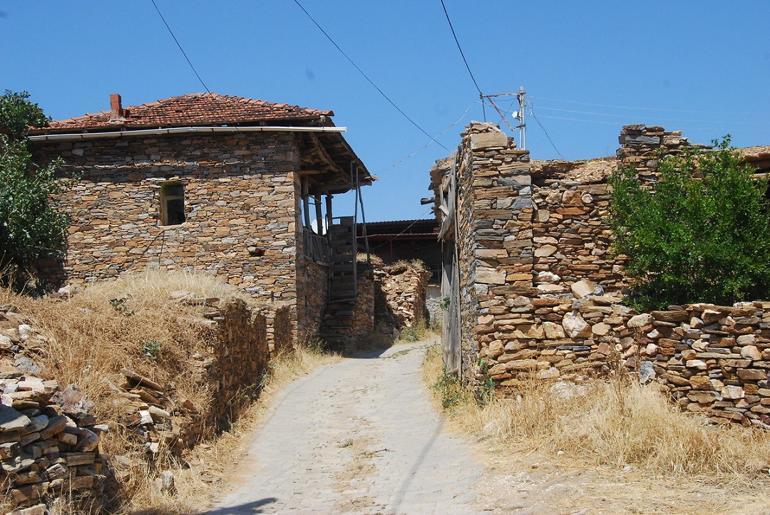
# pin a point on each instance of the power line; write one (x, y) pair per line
(180, 47)
(462, 54)
(622, 116)
(534, 117)
(418, 150)
(368, 79)
(632, 108)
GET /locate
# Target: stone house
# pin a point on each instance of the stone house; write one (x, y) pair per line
(208, 182)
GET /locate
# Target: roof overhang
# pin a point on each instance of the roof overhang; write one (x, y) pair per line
(326, 158)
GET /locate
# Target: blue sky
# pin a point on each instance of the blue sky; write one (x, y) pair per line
(589, 67)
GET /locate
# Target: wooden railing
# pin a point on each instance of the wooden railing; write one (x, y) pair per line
(316, 247)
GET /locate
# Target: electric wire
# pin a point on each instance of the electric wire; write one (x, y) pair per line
(624, 117)
(614, 106)
(460, 48)
(545, 131)
(178, 44)
(365, 76)
(416, 151)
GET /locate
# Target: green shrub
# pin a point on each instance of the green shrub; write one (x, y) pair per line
(151, 349)
(31, 228)
(702, 234)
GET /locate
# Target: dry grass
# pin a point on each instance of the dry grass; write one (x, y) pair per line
(613, 423)
(134, 323)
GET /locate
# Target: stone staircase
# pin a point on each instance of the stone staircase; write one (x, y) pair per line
(338, 316)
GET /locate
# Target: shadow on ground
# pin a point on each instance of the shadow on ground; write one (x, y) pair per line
(244, 509)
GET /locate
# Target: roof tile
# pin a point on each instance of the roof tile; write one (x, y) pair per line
(193, 109)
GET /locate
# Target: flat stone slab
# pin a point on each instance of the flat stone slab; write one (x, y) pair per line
(12, 420)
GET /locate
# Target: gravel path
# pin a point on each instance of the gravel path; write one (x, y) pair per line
(358, 436)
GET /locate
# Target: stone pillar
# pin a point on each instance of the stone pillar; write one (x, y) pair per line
(495, 245)
(642, 146)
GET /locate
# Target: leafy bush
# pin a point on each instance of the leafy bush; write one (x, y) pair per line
(31, 228)
(151, 349)
(702, 234)
(17, 114)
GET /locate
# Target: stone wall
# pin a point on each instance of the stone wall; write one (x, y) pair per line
(239, 202)
(313, 291)
(641, 146)
(362, 324)
(49, 440)
(571, 238)
(541, 295)
(400, 295)
(494, 211)
(241, 356)
(533, 244)
(714, 360)
(282, 327)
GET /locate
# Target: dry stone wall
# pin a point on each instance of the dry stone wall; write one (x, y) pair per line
(641, 146)
(534, 242)
(399, 291)
(714, 360)
(494, 211)
(571, 237)
(541, 296)
(49, 440)
(363, 310)
(313, 292)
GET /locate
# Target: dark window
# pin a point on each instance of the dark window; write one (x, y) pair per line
(172, 204)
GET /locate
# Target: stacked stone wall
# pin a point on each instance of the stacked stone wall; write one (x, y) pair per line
(533, 244)
(362, 323)
(50, 440)
(494, 210)
(400, 291)
(312, 288)
(714, 360)
(572, 238)
(642, 146)
(541, 295)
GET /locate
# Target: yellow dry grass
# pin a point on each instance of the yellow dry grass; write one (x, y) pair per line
(133, 322)
(612, 423)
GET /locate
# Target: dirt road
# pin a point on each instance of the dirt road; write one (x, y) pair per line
(359, 435)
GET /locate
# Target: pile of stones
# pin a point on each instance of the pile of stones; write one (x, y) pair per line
(49, 442)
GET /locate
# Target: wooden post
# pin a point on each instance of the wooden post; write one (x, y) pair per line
(329, 216)
(355, 233)
(363, 219)
(318, 217)
(305, 204)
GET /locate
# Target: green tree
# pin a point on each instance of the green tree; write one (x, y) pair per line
(31, 227)
(701, 235)
(18, 113)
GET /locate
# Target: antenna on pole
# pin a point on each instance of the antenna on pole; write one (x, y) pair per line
(521, 96)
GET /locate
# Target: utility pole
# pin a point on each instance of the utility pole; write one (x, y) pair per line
(521, 96)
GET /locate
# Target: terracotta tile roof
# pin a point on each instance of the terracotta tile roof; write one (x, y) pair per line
(194, 109)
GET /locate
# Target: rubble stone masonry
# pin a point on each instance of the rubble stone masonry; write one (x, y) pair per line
(541, 295)
(240, 207)
(494, 209)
